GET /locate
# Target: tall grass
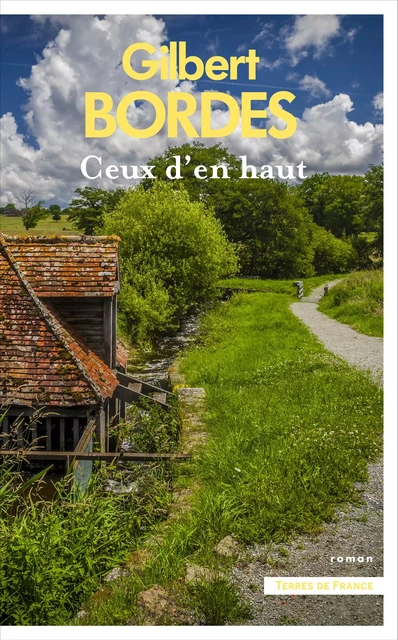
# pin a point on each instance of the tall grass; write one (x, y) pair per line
(292, 430)
(54, 554)
(358, 301)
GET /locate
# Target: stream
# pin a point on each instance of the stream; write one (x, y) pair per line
(155, 368)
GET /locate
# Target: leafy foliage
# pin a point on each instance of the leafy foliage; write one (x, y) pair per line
(88, 209)
(173, 251)
(335, 202)
(331, 254)
(33, 215)
(55, 211)
(374, 179)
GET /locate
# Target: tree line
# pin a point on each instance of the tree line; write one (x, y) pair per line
(180, 236)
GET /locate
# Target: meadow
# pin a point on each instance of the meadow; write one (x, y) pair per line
(292, 429)
(46, 227)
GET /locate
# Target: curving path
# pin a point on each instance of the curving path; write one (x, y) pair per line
(364, 352)
(355, 531)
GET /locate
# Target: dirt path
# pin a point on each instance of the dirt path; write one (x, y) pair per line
(356, 532)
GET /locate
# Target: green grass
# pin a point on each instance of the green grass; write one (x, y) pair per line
(46, 227)
(292, 428)
(278, 286)
(358, 301)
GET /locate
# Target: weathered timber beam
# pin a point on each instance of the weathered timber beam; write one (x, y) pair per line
(129, 395)
(147, 387)
(93, 455)
(86, 437)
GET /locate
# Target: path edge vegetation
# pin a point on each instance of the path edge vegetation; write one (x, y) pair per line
(358, 302)
(190, 537)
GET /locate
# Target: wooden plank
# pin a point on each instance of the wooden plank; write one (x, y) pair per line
(86, 437)
(135, 386)
(107, 323)
(147, 387)
(128, 395)
(160, 396)
(33, 427)
(114, 329)
(122, 409)
(75, 432)
(100, 430)
(30, 454)
(48, 433)
(62, 434)
(5, 429)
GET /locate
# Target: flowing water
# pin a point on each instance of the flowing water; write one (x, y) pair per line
(155, 368)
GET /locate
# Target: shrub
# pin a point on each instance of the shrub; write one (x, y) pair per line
(173, 251)
(331, 254)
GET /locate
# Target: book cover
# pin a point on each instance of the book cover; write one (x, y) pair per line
(195, 226)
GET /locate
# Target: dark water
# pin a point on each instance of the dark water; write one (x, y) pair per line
(166, 350)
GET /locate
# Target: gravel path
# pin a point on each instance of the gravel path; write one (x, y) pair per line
(364, 352)
(356, 531)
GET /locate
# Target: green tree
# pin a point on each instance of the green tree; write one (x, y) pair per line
(88, 209)
(335, 202)
(331, 254)
(33, 215)
(373, 204)
(269, 224)
(55, 211)
(199, 154)
(173, 251)
(7, 207)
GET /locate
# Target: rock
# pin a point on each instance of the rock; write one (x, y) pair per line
(116, 573)
(114, 486)
(157, 606)
(81, 614)
(138, 558)
(228, 546)
(196, 574)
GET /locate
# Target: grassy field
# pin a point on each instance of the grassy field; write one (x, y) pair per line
(47, 227)
(358, 301)
(278, 286)
(291, 427)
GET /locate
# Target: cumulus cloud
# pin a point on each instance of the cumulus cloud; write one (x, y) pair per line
(378, 103)
(86, 56)
(316, 87)
(311, 33)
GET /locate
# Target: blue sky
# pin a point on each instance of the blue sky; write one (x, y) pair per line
(353, 67)
(333, 64)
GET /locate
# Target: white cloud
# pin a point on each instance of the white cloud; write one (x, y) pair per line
(313, 32)
(270, 64)
(378, 103)
(265, 34)
(316, 87)
(325, 138)
(213, 44)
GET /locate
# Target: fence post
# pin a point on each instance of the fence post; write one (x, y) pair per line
(300, 285)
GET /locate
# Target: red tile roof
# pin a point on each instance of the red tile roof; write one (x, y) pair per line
(122, 353)
(43, 362)
(70, 266)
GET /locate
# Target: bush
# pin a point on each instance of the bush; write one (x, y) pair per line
(173, 251)
(331, 255)
(358, 301)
